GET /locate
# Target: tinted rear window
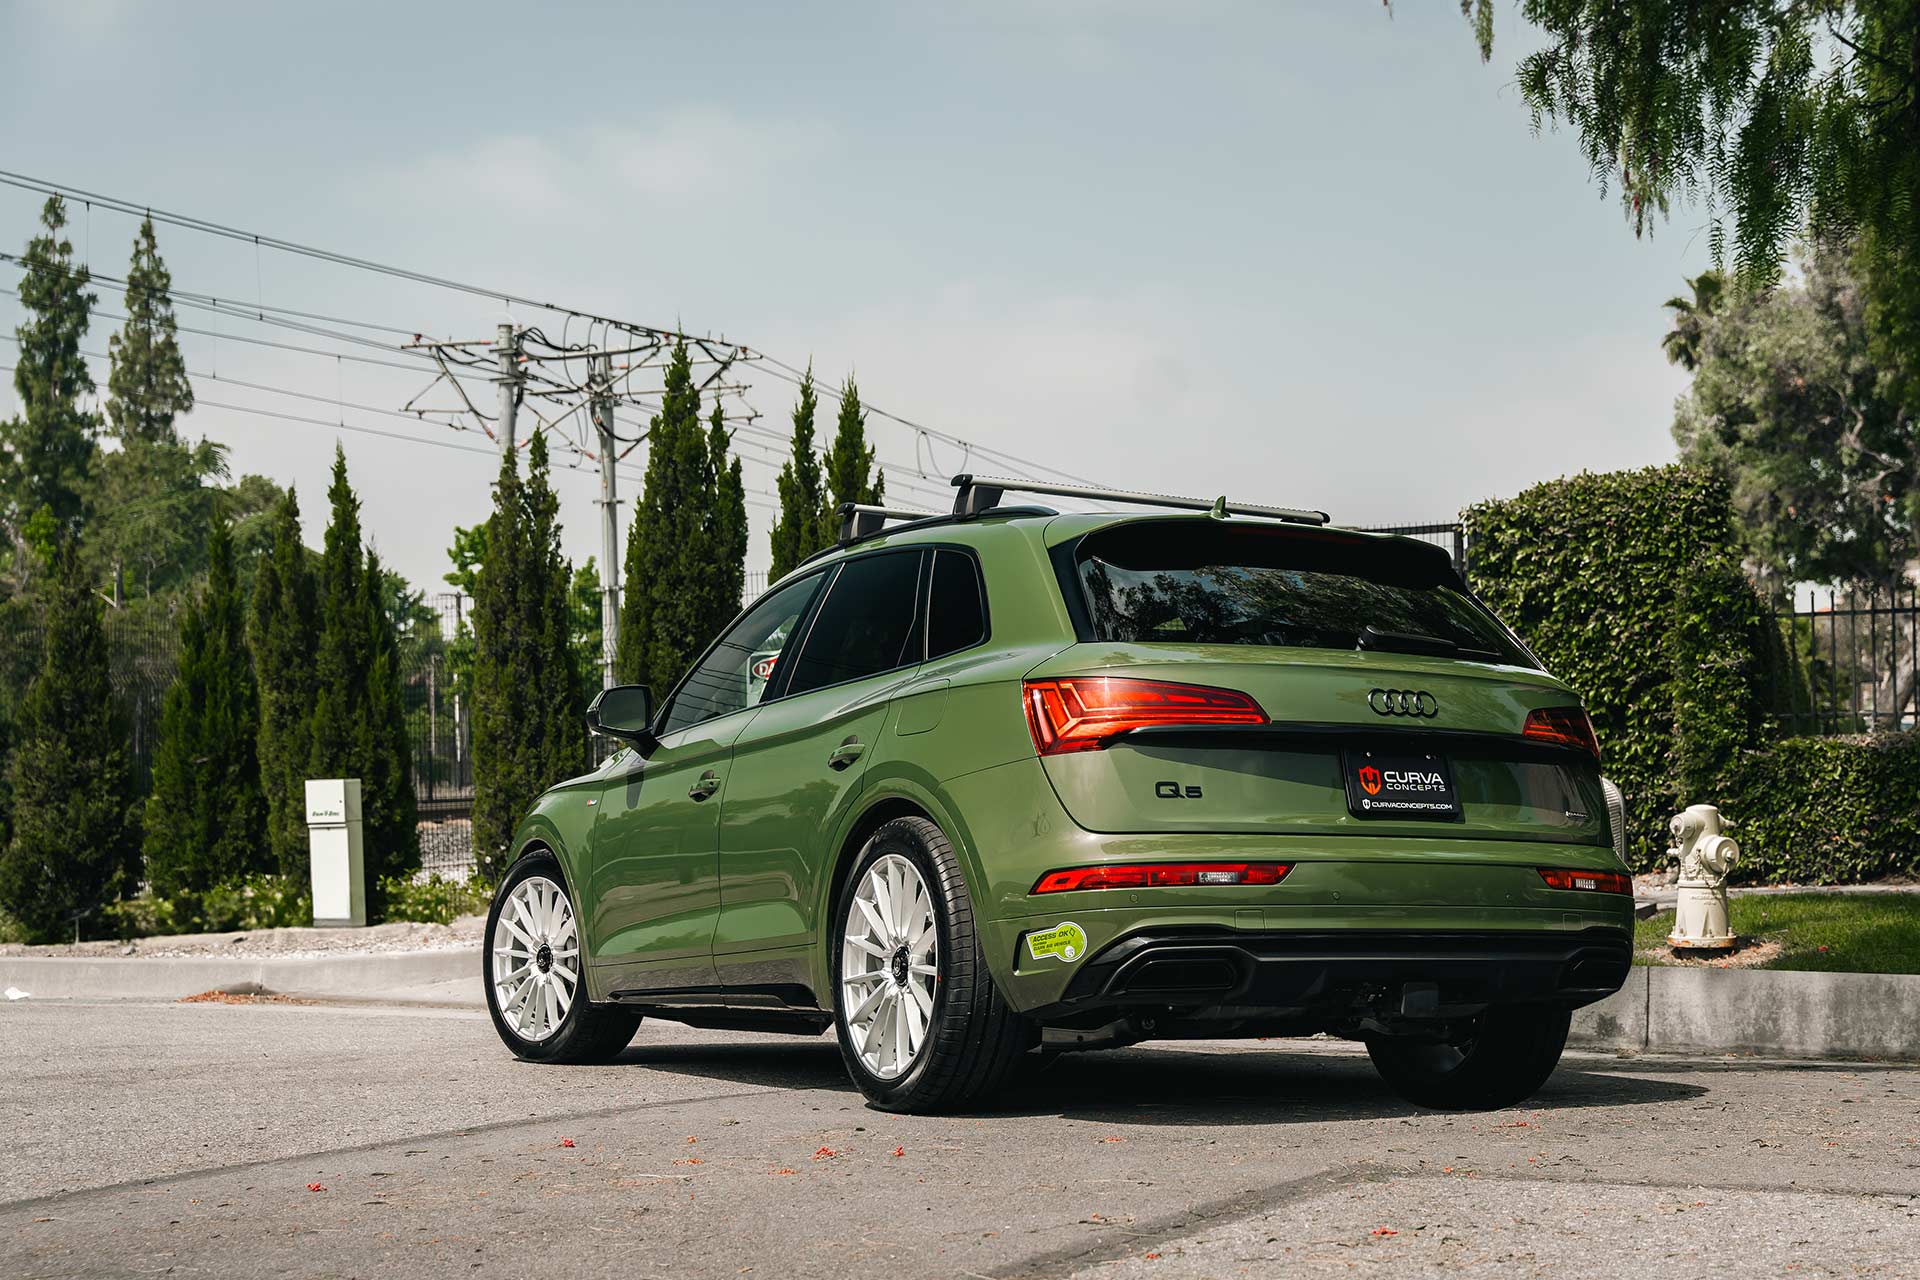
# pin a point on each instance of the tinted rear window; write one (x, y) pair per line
(956, 617)
(1205, 583)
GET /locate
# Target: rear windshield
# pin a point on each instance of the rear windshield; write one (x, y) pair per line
(1204, 583)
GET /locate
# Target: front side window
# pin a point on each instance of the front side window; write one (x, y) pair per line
(734, 676)
(1193, 583)
(865, 625)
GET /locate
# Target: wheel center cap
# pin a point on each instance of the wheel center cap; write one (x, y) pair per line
(544, 957)
(899, 966)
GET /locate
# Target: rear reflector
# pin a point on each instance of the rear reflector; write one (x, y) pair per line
(1085, 713)
(1563, 727)
(1588, 881)
(1149, 875)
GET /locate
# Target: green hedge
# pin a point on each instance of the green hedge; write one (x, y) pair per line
(1827, 810)
(1628, 586)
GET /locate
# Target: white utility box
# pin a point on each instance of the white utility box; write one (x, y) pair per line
(339, 864)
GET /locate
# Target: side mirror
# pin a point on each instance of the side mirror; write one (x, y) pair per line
(625, 712)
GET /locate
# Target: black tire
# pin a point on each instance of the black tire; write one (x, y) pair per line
(588, 1032)
(1503, 1060)
(975, 1041)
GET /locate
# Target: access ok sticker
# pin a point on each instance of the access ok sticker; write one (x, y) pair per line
(1065, 941)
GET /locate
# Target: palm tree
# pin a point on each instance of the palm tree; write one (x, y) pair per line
(1691, 317)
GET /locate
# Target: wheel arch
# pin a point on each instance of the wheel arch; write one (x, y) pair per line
(901, 798)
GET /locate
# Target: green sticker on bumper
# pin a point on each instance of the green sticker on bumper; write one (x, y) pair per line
(1065, 941)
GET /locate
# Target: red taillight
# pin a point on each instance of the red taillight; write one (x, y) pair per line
(1085, 713)
(1149, 875)
(1564, 727)
(1588, 881)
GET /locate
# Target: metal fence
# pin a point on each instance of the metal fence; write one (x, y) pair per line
(142, 652)
(1853, 657)
(436, 664)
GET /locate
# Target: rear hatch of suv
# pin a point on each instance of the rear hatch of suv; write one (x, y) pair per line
(1237, 676)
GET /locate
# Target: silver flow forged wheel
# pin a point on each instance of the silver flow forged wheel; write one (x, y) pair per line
(889, 966)
(536, 959)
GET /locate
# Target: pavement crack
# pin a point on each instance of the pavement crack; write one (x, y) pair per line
(362, 1148)
(1119, 1242)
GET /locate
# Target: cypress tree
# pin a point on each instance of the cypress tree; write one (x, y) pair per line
(283, 637)
(74, 838)
(686, 551)
(147, 388)
(388, 805)
(729, 563)
(47, 453)
(803, 501)
(663, 614)
(153, 498)
(358, 726)
(851, 474)
(527, 732)
(206, 817)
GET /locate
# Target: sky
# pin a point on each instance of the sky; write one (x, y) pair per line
(1303, 254)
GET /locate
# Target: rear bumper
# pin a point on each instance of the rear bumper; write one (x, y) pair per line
(1289, 973)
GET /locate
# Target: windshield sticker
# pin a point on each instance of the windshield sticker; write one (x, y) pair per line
(1065, 941)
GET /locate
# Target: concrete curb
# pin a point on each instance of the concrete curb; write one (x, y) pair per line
(171, 977)
(1776, 1013)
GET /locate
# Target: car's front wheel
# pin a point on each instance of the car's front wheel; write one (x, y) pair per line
(1502, 1058)
(535, 975)
(921, 1025)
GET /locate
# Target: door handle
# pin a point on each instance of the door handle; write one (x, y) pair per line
(708, 784)
(846, 753)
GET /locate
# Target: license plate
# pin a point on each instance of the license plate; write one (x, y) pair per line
(1380, 785)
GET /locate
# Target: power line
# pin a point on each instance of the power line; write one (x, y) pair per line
(778, 368)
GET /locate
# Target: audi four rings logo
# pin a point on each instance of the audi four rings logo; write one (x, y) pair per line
(1403, 702)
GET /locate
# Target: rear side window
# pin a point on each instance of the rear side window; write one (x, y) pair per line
(1204, 583)
(865, 625)
(956, 611)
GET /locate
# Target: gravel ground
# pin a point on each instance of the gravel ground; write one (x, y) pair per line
(281, 943)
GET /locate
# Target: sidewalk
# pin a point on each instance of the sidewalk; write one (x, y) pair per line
(403, 962)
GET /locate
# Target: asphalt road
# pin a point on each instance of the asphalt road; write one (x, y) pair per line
(184, 1139)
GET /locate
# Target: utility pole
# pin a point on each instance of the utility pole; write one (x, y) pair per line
(602, 384)
(507, 348)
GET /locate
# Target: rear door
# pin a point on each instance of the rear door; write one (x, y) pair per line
(801, 761)
(1393, 703)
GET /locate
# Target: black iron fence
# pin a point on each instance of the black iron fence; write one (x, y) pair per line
(1853, 654)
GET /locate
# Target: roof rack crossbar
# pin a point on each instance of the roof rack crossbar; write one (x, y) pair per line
(983, 493)
(859, 520)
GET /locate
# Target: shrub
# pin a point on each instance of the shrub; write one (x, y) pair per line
(257, 901)
(434, 900)
(1827, 810)
(1628, 586)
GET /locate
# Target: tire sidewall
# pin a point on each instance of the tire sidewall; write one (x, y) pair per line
(897, 837)
(543, 864)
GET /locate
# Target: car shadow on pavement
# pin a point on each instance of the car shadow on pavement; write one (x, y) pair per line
(1162, 1085)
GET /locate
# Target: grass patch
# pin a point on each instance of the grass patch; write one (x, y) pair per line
(1847, 933)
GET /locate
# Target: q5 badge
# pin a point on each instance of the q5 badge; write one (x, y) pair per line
(1065, 941)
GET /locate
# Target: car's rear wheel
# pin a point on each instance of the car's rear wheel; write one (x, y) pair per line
(535, 975)
(1501, 1059)
(921, 1025)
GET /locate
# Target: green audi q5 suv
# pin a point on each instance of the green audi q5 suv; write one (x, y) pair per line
(1012, 782)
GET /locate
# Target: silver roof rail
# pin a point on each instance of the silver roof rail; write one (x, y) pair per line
(982, 493)
(858, 520)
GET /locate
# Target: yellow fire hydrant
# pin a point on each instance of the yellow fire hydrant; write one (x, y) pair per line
(1706, 859)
